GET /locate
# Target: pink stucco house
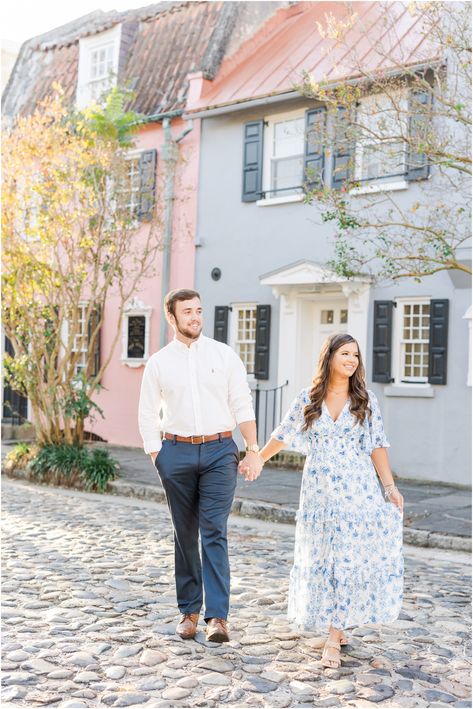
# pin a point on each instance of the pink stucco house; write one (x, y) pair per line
(153, 51)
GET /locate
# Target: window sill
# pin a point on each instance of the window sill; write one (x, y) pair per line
(271, 201)
(381, 187)
(414, 391)
(134, 363)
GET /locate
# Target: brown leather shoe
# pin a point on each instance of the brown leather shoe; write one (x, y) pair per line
(187, 626)
(217, 631)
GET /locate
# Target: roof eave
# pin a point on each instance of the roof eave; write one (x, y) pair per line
(274, 97)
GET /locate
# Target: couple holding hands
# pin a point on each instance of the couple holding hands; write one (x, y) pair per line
(348, 564)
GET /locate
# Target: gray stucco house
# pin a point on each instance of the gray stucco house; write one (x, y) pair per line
(261, 255)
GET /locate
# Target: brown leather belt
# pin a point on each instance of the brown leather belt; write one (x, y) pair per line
(197, 440)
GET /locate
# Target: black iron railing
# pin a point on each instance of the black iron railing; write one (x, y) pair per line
(268, 409)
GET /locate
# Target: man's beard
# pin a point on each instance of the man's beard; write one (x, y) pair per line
(190, 334)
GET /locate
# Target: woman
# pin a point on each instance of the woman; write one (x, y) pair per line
(348, 565)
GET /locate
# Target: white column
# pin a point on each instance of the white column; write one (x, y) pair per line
(287, 342)
(467, 316)
(358, 295)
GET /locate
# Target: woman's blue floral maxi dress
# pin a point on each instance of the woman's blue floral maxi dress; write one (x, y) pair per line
(348, 564)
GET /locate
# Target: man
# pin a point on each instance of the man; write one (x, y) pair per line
(200, 387)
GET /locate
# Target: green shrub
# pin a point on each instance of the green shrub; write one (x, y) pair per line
(98, 468)
(73, 466)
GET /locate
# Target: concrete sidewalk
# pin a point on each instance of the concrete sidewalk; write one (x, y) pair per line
(435, 515)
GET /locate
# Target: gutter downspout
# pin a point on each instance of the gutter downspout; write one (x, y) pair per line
(169, 154)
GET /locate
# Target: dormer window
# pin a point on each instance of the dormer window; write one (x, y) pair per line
(101, 62)
(98, 65)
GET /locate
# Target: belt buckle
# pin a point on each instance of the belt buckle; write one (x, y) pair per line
(197, 443)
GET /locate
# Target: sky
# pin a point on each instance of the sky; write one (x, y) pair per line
(23, 19)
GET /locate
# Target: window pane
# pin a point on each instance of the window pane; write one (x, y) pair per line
(326, 317)
(136, 336)
(288, 138)
(286, 173)
(246, 335)
(343, 316)
(415, 342)
(382, 160)
(101, 62)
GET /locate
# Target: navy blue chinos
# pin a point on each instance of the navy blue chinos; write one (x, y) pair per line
(199, 481)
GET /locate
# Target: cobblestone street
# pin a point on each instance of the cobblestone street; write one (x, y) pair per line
(89, 616)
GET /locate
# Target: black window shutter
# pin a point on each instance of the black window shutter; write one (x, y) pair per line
(252, 161)
(382, 336)
(221, 323)
(263, 329)
(418, 167)
(147, 167)
(438, 341)
(314, 153)
(94, 320)
(343, 149)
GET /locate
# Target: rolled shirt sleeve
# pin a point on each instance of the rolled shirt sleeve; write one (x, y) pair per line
(239, 393)
(149, 420)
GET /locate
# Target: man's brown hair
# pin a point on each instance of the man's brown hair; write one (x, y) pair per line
(179, 294)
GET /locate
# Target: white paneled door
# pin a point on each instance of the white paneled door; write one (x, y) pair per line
(317, 319)
(331, 316)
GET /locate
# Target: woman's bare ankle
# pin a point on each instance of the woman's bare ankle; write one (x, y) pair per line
(335, 634)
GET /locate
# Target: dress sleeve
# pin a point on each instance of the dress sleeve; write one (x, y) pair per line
(375, 424)
(290, 428)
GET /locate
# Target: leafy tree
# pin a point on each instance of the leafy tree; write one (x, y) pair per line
(400, 117)
(71, 243)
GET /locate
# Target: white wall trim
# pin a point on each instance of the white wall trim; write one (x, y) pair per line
(424, 391)
(273, 201)
(380, 187)
(135, 307)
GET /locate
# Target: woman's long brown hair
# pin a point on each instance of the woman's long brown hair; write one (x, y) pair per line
(359, 404)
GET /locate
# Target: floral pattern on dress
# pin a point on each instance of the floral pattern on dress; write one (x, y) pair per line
(348, 564)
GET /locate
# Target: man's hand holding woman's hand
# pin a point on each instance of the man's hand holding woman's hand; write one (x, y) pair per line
(251, 466)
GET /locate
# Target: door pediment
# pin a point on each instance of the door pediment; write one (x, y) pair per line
(301, 275)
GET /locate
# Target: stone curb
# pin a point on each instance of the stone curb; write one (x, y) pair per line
(286, 515)
(276, 513)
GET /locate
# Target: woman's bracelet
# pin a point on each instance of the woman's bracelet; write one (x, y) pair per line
(389, 489)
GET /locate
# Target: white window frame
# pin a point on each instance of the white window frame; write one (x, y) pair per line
(87, 88)
(234, 331)
(132, 155)
(269, 125)
(83, 307)
(399, 379)
(135, 307)
(382, 183)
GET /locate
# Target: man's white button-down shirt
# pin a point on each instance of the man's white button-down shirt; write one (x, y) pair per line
(199, 390)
